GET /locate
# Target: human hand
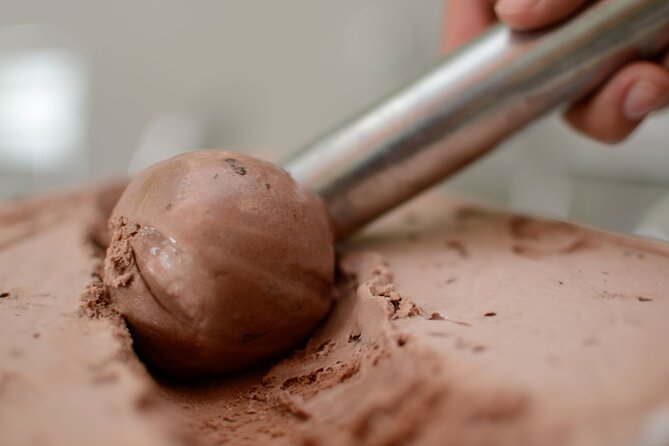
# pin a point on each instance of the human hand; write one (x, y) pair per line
(609, 114)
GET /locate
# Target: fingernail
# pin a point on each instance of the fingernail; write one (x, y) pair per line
(643, 98)
(512, 7)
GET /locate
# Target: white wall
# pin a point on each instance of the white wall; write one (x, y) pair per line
(262, 75)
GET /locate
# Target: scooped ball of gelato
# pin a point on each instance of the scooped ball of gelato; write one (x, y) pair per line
(218, 262)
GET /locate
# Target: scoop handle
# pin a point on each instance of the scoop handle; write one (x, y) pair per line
(473, 100)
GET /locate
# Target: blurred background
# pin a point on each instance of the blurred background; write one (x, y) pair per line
(96, 90)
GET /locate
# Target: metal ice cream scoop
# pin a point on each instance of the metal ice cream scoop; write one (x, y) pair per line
(476, 98)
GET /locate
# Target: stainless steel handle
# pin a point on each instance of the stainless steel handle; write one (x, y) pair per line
(473, 100)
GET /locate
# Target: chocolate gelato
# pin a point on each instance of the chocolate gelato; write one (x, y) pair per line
(452, 325)
(218, 261)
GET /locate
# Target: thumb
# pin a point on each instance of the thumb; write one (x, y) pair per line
(464, 20)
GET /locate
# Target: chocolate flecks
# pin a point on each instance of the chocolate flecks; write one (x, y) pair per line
(560, 282)
(458, 247)
(258, 397)
(479, 348)
(36, 335)
(634, 255)
(321, 348)
(250, 337)
(606, 295)
(268, 186)
(436, 317)
(395, 304)
(402, 339)
(609, 295)
(349, 371)
(307, 379)
(354, 338)
(4, 295)
(215, 176)
(238, 169)
(490, 314)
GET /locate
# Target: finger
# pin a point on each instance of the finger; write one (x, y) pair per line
(615, 110)
(533, 14)
(464, 20)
